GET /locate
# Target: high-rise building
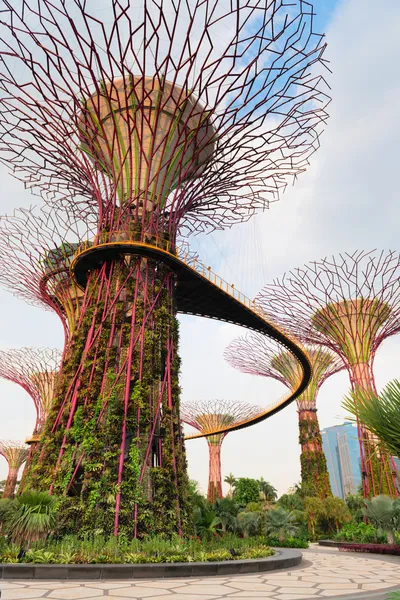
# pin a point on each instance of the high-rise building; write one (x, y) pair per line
(341, 448)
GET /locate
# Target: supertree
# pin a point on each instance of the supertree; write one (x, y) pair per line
(256, 355)
(15, 454)
(35, 370)
(170, 117)
(350, 304)
(36, 249)
(208, 415)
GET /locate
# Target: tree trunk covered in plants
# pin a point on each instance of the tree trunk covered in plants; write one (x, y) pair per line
(214, 473)
(314, 472)
(11, 483)
(112, 446)
(378, 469)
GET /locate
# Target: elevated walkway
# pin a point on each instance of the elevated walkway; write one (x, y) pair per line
(203, 293)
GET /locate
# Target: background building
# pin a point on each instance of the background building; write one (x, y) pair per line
(340, 445)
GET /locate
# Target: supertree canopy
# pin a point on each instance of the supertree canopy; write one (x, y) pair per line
(209, 415)
(256, 355)
(350, 304)
(15, 454)
(35, 370)
(163, 118)
(36, 249)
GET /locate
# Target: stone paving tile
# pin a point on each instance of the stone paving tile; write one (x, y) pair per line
(75, 593)
(23, 593)
(140, 592)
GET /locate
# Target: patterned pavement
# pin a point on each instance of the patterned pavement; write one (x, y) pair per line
(326, 574)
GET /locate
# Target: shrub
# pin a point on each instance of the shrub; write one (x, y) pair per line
(360, 532)
(97, 549)
(289, 542)
(246, 490)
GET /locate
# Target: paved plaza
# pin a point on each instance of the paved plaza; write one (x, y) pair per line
(327, 574)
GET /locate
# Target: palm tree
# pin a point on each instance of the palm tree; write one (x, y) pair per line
(281, 523)
(314, 509)
(34, 517)
(379, 414)
(379, 511)
(250, 523)
(230, 480)
(226, 510)
(268, 490)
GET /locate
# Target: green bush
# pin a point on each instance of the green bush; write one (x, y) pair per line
(246, 490)
(289, 542)
(97, 549)
(360, 533)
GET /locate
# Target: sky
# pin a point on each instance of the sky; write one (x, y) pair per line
(347, 200)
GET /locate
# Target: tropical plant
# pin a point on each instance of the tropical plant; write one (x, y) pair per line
(379, 414)
(226, 510)
(379, 511)
(314, 509)
(335, 511)
(250, 523)
(7, 510)
(230, 480)
(361, 533)
(34, 517)
(268, 490)
(206, 523)
(291, 502)
(355, 504)
(281, 523)
(246, 490)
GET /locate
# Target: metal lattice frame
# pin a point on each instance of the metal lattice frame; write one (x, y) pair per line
(15, 453)
(208, 415)
(350, 304)
(256, 355)
(251, 91)
(164, 118)
(36, 249)
(35, 370)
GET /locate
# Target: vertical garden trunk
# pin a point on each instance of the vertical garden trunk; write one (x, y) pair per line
(314, 472)
(11, 483)
(113, 447)
(377, 466)
(214, 475)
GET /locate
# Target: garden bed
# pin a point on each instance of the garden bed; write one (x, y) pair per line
(282, 559)
(354, 547)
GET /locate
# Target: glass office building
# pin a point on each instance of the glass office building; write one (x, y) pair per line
(342, 452)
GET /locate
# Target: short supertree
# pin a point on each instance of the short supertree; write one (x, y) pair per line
(15, 454)
(169, 118)
(35, 370)
(208, 415)
(256, 355)
(350, 304)
(36, 249)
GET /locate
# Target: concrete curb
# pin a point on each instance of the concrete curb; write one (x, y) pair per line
(283, 559)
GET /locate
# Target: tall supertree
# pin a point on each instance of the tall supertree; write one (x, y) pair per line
(208, 415)
(256, 355)
(350, 304)
(166, 118)
(35, 370)
(15, 454)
